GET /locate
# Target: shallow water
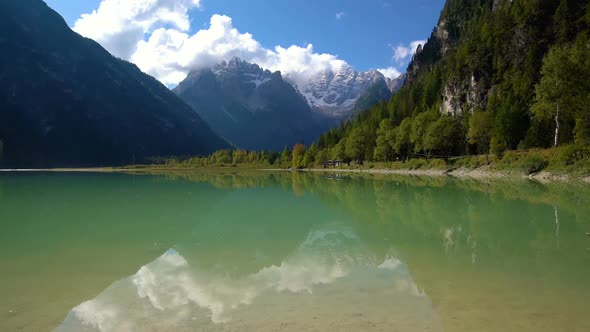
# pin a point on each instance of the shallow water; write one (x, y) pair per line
(291, 252)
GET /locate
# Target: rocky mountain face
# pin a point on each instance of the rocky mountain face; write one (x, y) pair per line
(395, 84)
(257, 109)
(335, 94)
(471, 83)
(65, 101)
(251, 107)
(459, 94)
(378, 92)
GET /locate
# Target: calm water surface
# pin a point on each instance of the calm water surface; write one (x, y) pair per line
(291, 252)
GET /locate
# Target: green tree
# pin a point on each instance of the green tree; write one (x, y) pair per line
(312, 151)
(355, 146)
(564, 21)
(322, 156)
(239, 156)
(582, 130)
(480, 131)
(307, 160)
(286, 157)
(443, 136)
(383, 149)
(339, 150)
(298, 155)
(271, 157)
(563, 90)
(420, 125)
(222, 157)
(498, 146)
(403, 139)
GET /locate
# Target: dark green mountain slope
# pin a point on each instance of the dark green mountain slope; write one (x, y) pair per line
(65, 101)
(494, 73)
(376, 93)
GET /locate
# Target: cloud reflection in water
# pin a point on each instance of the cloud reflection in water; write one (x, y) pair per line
(169, 292)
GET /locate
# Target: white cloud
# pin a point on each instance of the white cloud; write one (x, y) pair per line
(156, 36)
(300, 63)
(340, 15)
(390, 72)
(402, 53)
(118, 25)
(169, 54)
(173, 289)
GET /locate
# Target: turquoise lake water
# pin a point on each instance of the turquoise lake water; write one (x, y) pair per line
(256, 251)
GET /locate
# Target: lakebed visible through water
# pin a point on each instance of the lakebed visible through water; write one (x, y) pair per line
(264, 251)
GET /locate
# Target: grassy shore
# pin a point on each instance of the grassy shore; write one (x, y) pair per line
(562, 164)
(567, 163)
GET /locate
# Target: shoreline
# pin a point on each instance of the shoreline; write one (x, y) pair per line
(60, 170)
(461, 173)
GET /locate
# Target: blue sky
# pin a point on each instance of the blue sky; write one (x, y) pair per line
(363, 33)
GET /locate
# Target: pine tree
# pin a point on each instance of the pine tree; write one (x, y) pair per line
(286, 157)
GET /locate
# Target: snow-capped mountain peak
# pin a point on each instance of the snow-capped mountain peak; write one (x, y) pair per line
(246, 72)
(335, 93)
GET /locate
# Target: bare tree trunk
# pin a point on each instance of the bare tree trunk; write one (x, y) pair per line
(487, 147)
(556, 226)
(557, 126)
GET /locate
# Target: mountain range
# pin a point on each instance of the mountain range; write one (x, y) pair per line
(335, 93)
(65, 101)
(257, 109)
(250, 107)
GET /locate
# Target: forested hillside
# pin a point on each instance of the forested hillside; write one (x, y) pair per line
(494, 75)
(66, 102)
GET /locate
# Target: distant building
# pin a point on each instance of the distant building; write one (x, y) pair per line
(332, 163)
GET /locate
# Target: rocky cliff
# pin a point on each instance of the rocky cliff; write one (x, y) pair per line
(251, 107)
(335, 94)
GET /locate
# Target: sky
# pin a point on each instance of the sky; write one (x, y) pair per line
(168, 38)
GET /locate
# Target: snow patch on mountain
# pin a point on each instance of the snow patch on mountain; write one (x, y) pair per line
(257, 79)
(247, 72)
(335, 93)
(331, 93)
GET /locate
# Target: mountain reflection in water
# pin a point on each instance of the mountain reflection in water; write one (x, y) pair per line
(173, 294)
(259, 251)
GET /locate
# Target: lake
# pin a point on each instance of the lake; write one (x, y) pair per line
(256, 251)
